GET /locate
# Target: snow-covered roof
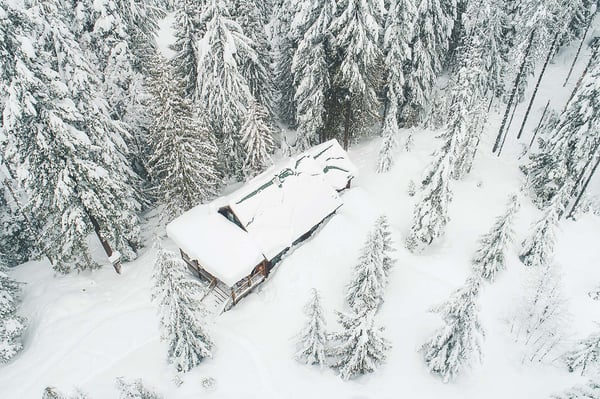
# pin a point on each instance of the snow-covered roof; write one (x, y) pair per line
(275, 209)
(279, 206)
(336, 165)
(220, 246)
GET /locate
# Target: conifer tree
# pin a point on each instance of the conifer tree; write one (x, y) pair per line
(310, 68)
(182, 316)
(356, 31)
(490, 256)
(285, 43)
(586, 354)
(188, 29)
(382, 232)
(360, 347)
(433, 29)
(223, 91)
(454, 346)
(11, 324)
(313, 338)
(396, 42)
(184, 152)
(256, 69)
(540, 320)
(430, 215)
(134, 390)
(257, 138)
(366, 288)
(58, 126)
(537, 250)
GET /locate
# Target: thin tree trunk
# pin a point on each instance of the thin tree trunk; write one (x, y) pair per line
(512, 116)
(537, 85)
(583, 189)
(585, 71)
(513, 92)
(587, 28)
(537, 129)
(347, 124)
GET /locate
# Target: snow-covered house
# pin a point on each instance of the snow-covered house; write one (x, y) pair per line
(234, 241)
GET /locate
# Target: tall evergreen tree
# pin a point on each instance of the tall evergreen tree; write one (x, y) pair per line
(313, 338)
(188, 29)
(458, 343)
(257, 138)
(360, 347)
(310, 68)
(182, 316)
(396, 43)
(256, 69)
(537, 250)
(184, 152)
(383, 234)
(356, 30)
(368, 282)
(223, 91)
(11, 324)
(430, 45)
(490, 256)
(59, 130)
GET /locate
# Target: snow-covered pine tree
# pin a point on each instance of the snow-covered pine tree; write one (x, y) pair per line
(430, 215)
(182, 316)
(586, 354)
(382, 232)
(11, 324)
(591, 390)
(184, 152)
(455, 346)
(223, 92)
(540, 321)
(433, 30)
(369, 278)
(313, 344)
(356, 29)
(573, 143)
(188, 31)
(490, 256)
(256, 69)
(135, 389)
(396, 43)
(257, 138)
(360, 347)
(285, 43)
(18, 242)
(310, 68)
(58, 128)
(538, 248)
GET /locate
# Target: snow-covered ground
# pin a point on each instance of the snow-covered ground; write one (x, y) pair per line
(87, 329)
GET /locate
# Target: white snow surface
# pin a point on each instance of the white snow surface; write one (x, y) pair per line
(279, 206)
(337, 167)
(87, 329)
(220, 246)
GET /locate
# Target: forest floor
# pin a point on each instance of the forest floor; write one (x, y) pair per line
(87, 329)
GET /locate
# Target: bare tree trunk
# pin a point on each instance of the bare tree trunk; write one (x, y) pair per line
(537, 129)
(513, 92)
(583, 189)
(537, 85)
(347, 124)
(512, 116)
(587, 28)
(584, 73)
